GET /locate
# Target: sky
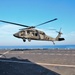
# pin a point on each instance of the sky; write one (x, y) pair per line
(33, 12)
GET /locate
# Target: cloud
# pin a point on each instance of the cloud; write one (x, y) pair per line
(6, 34)
(7, 38)
(8, 29)
(72, 34)
(70, 38)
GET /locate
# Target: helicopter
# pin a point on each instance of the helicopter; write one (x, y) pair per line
(31, 33)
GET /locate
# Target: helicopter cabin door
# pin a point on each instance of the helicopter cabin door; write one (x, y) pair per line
(42, 36)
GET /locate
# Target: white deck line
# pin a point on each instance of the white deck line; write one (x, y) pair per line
(4, 53)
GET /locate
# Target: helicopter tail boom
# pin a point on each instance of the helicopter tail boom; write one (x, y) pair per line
(58, 37)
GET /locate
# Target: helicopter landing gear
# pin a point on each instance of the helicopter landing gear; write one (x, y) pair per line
(29, 40)
(24, 40)
(53, 42)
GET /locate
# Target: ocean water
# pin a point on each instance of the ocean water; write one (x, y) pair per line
(40, 47)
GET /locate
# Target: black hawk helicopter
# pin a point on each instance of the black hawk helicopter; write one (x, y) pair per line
(31, 33)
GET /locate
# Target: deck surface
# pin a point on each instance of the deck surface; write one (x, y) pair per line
(37, 62)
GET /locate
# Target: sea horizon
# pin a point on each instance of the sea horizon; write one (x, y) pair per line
(38, 47)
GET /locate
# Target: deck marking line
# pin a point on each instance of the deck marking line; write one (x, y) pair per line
(4, 53)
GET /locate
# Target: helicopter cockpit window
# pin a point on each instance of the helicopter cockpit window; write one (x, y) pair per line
(22, 33)
(36, 34)
(28, 32)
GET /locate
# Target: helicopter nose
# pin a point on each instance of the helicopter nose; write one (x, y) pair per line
(16, 35)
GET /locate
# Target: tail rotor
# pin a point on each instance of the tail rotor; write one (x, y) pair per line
(59, 31)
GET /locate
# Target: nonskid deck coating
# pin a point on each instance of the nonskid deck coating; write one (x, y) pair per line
(55, 60)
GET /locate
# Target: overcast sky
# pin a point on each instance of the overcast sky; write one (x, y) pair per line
(33, 12)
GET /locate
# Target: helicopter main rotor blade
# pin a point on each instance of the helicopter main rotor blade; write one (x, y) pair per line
(14, 23)
(46, 22)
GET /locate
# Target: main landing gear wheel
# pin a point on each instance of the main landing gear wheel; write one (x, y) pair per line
(24, 40)
(29, 40)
